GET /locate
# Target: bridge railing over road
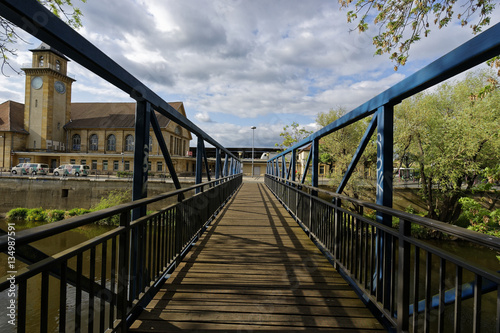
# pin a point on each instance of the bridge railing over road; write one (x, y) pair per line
(123, 267)
(416, 285)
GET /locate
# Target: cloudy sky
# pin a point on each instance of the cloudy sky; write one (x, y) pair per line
(239, 63)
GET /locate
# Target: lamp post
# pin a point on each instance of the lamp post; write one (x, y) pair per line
(253, 137)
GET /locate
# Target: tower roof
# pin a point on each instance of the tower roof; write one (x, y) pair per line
(46, 47)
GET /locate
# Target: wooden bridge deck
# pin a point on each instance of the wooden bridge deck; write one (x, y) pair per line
(255, 270)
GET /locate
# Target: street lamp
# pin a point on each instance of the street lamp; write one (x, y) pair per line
(253, 137)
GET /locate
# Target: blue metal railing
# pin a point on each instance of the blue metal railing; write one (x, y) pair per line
(446, 289)
(106, 281)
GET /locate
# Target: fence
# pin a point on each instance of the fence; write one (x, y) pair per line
(395, 271)
(122, 269)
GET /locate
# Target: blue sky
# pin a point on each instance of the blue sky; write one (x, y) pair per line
(239, 63)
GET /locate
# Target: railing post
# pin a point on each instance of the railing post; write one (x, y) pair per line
(336, 228)
(123, 271)
(404, 266)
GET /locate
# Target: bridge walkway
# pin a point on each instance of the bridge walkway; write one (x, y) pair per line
(255, 270)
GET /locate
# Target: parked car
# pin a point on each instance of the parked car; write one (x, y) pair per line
(21, 168)
(38, 169)
(30, 168)
(72, 169)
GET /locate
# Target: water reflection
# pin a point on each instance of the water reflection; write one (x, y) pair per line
(50, 246)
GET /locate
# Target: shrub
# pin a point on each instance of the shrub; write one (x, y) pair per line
(76, 212)
(480, 219)
(54, 215)
(123, 174)
(17, 214)
(114, 198)
(36, 215)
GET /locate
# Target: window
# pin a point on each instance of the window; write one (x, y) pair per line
(58, 65)
(40, 61)
(126, 166)
(105, 165)
(150, 144)
(149, 165)
(94, 142)
(76, 142)
(111, 142)
(72, 161)
(83, 162)
(129, 143)
(115, 165)
(94, 164)
(159, 166)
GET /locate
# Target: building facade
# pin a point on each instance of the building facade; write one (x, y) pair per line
(50, 129)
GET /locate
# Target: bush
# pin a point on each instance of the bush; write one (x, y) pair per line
(54, 215)
(36, 215)
(114, 198)
(76, 212)
(17, 214)
(481, 219)
(123, 174)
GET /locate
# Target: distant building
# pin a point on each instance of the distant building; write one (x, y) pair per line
(50, 129)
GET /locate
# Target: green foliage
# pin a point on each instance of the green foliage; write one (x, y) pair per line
(292, 134)
(64, 9)
(481, 219)
(17, 214)
(124, 174)
(54, 215)
(450, 138)
(402, 23)
(76, 212)
(112, 199)
(36, 215)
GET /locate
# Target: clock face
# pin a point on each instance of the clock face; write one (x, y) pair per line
(37, 82)
(60, 87)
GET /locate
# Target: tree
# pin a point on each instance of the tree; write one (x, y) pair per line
(337, 150)
(403, 22)
(292, 134)
(453, 136)
(63, 9)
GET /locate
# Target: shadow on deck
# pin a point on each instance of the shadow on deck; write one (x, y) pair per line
(255, 270)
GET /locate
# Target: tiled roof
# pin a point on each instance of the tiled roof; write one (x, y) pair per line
(109, 115)
(12, 117)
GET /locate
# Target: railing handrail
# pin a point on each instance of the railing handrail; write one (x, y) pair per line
(463, 233)
(37, 233)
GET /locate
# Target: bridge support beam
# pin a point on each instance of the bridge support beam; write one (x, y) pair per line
(385, 143)
(141, 155)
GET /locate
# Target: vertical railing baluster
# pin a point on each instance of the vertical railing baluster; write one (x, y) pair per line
(62, 297)
(123, 271)
(90, 322)
(458, 301)
(477, 303)
(428, 294)
(78, 298)
(404, 266)
(102, 305)
(44, 302)
(416, 285)
(112, 284)
(442, 277)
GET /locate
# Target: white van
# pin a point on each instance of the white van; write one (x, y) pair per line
(72, 169)
(30, 168)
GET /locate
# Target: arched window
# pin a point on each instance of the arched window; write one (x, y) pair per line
(58, 65)
(94, 142)
(129, 143)
(77, 141)
(111, 143)
(40, 61)
(150, 144)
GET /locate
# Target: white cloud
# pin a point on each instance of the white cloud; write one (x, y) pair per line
(251, 61)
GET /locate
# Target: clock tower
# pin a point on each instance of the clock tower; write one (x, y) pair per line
(47, 99)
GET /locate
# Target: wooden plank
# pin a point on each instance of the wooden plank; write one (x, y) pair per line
(255, 270)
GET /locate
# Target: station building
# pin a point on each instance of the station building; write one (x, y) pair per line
(48, 128)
